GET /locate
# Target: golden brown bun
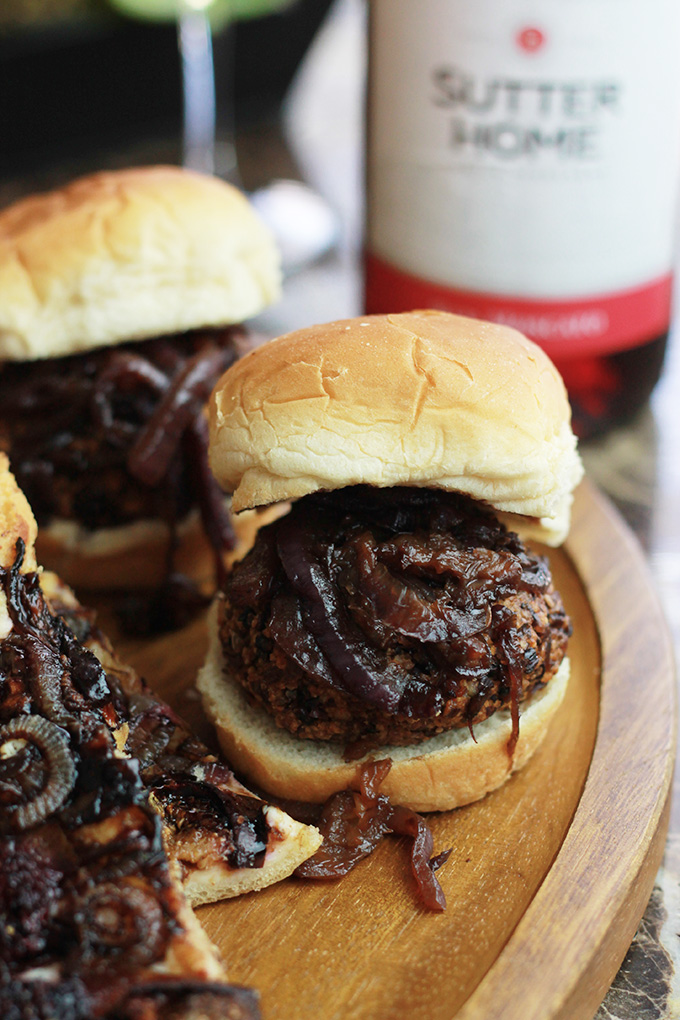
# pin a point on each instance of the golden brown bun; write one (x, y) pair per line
(134, 556)
(440, 773)
(127, 255)
(422, 398)
(16, 520)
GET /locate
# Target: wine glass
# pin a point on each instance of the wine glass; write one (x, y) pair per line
(194, 39)
(303, 223)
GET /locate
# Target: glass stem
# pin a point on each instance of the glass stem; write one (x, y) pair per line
(198, 86)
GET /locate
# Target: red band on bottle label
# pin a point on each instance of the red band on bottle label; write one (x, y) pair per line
(564, 328)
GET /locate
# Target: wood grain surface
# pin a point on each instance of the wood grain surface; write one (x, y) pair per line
(570, 942)
(548, 875)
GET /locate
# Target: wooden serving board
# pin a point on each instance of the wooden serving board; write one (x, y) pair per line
(549, 875)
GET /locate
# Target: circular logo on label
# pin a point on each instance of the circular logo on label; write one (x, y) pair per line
(530, 39)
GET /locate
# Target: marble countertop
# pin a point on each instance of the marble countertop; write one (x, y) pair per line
(639, 468)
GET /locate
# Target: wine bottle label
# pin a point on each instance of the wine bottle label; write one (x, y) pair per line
(523, 163)
(595, 325)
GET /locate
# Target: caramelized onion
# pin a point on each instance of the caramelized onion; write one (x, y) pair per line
(188, 803)
(109, 437)
(287, 628)
(182, 401)
(53, 744)
(358, 666)
(402, 608)
(90, 891)
(214, 514)
(252, 584)
(122, 920)
(353, 823)
(45, 673)
(123, 371)
(408, 823)
(513, 660)
(440, 554)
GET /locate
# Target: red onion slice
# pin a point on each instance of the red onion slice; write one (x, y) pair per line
(53, 745)
(183, 400)
(360, 670)
(406, 610)
(211, 500)
(354, 822)
(290, 634)
(407, 823)
(123, 371)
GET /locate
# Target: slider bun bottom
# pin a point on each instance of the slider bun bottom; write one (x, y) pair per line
(440, 773)
(135, 556)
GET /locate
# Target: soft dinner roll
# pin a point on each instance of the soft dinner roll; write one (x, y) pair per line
(423, 398)
(127, 255)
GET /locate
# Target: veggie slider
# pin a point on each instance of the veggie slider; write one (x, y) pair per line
(392, 612)
(119, 295)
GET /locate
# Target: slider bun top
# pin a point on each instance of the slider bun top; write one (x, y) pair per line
(423, 398)
(127, 255)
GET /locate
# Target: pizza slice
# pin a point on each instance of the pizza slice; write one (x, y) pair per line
(93, 920)
(225, 840)
(113, 818)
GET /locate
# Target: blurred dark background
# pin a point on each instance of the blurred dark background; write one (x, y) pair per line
(76, 78)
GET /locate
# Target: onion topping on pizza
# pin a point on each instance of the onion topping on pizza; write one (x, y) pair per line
(224, 839)
(93, 922)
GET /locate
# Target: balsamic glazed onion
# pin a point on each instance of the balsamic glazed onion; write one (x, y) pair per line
(45, 672)
(178, 999)
(121, 921)
(123, 370)
(353, 823)
(423, 586)
(188, 802)
(401, 606)
(325, 618)
(113, 436)
(154, 448)
(88, 898)
(53, 745)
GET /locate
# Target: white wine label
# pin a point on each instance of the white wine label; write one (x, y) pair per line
(523, 158)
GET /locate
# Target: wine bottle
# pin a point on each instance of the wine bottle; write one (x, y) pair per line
(522, 166)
